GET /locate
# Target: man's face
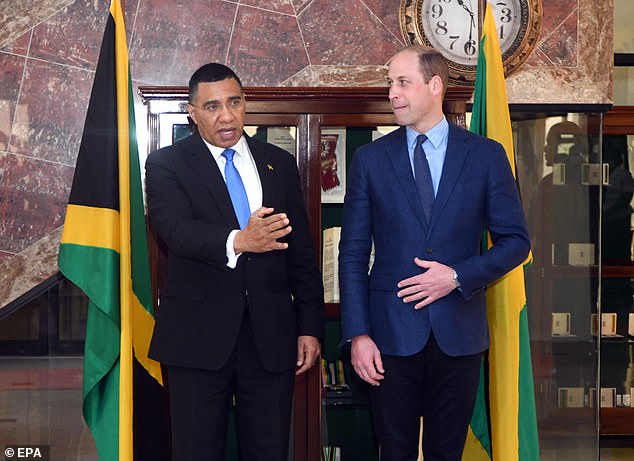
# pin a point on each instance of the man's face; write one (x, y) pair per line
(410, 96)
(219, 110)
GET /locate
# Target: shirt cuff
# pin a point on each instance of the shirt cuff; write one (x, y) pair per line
(232, 257)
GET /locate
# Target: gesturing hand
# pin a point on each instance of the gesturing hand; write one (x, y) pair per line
(433, 284)
(262, 232)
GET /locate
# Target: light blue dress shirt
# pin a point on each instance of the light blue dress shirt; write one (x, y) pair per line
(435, 147)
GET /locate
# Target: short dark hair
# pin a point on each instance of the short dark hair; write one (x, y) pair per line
(431, 62)
(212, 72)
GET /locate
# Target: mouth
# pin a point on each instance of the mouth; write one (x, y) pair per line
(227, 133)
(398, 107)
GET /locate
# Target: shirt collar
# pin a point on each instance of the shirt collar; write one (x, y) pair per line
(434, 135)
(240, 147)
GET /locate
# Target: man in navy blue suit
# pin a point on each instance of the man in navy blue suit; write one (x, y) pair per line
(417, 323)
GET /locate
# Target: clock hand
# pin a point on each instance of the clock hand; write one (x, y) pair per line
(462, 4)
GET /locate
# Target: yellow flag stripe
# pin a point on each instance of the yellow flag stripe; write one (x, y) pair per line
(126, 443)
(473, 450)
(90, 226)
(142, 327)
(506, 298)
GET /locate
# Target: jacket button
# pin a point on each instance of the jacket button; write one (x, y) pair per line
(429, 251)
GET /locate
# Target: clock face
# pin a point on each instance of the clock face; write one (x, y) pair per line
(453, 27)
(511, 19)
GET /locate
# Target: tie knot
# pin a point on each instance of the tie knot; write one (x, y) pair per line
(228, 154)
(420, 139)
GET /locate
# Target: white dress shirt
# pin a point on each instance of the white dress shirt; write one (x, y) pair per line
(244, 163)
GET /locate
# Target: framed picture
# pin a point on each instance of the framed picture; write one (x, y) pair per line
(333, 165)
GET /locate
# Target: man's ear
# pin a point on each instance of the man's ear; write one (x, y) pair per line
(436, 85)
(190, 111)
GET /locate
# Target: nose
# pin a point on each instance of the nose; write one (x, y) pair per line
(393, 93)
(225, 113)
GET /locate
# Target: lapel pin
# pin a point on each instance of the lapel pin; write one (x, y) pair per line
(270, 167)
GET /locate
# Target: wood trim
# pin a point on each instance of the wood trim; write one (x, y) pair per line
(619, 121)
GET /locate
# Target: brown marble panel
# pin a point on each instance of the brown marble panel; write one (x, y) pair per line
(387, 12)
(73, 36)
(279, 6)
(33, 198)
(172, 39)
(345, 32)
(5, 256)
(51, 112)
(555, 12)
(537, 59)
(31, 267)
(299, 5)
(272, 54)
(20, 45)
(561, 46)
(342, 76)
(19, 16)
(11, 71)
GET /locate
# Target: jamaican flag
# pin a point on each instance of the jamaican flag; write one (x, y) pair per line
(104, 252)
(510, 434)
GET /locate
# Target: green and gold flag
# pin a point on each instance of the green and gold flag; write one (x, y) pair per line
(104, 250)
(510, 433)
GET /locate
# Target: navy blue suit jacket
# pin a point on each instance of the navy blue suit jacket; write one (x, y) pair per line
(477, 191)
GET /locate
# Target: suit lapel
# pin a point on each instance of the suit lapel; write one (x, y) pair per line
(457, 150)
(399, 156)
(206, 168)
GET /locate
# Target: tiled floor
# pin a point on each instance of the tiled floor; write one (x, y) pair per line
(40, 404)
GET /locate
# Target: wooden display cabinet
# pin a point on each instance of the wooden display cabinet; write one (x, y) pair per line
(307, 110)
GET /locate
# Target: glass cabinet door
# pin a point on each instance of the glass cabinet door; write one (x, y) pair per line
(347, 432)
(560, 177)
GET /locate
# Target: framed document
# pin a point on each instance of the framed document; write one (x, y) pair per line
(581, 254)
(333, 165)
(561, 324)
(608, 324)
(570, 397)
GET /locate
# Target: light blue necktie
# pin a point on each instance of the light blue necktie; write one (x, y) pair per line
(237, 192)
(423, 177)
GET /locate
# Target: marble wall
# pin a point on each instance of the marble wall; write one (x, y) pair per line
(49, 49)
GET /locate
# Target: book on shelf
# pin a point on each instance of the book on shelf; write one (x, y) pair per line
(330, 264)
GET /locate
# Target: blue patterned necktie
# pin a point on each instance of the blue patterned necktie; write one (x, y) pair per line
(423, 177)
(237, 192)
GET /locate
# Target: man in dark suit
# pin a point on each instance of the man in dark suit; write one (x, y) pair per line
(417, 323)
(241, 310)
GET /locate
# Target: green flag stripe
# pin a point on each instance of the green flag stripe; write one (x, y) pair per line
(141, 282)
(528, 438)
(96, 271)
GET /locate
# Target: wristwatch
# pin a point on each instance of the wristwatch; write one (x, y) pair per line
(455, 280)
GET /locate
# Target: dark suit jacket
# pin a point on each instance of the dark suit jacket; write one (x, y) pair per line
(477, 191)
(202, 300)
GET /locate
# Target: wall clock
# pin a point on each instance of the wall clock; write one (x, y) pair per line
(453, 28)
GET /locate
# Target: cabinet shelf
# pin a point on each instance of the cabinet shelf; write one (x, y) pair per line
(617, 421)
